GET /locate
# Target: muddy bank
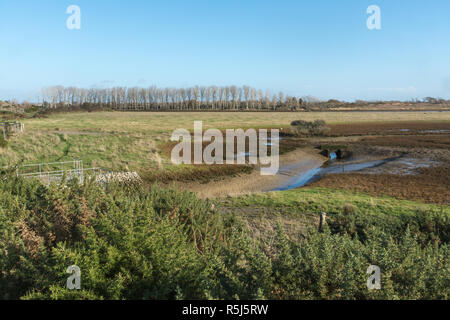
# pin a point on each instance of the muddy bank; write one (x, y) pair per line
(409, 167)
(391, 128)
(291, 164)
(306, 166)
(420, 172)
(429, 185)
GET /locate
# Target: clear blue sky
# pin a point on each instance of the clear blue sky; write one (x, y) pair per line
(321, 47)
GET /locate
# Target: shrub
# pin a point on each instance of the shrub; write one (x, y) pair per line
(349, 208)
(306, 128)
(3, 142)
(166, 244)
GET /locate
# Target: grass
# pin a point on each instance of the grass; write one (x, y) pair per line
(132, 140)
(333, 147)
(162, 123)
(317, 200)
(3, 142)
(297, 211)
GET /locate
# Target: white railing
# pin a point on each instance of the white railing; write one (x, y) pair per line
(56, 171)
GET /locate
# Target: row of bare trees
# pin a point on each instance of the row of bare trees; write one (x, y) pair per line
(153, 98)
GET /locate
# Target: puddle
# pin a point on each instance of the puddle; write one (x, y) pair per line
(242, 154)
(399, 130)
(404, 166)
(435, 131)
(271, 139)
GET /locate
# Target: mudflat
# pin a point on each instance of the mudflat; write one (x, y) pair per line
(291, 164)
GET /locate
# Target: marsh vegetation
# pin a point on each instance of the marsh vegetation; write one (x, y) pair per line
(153, 242)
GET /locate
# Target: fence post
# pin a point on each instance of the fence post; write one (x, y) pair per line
(323, 221)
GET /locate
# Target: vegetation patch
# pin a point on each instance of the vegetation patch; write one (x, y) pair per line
(3, 142)
(192, 173)
(165, 244)
(309, 128)
(354, 212)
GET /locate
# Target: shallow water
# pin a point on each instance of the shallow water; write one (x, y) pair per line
(399, 111)
(242, 154)
(435, 131)
(317, 173)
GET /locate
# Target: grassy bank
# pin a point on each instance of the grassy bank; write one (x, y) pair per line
(354, 212)
(331, 200)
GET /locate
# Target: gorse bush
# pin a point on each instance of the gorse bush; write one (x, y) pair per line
(164, 244)
(3, 142)
(307, 128)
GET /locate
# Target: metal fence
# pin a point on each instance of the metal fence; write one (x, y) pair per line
(56, 171)
(67, 171)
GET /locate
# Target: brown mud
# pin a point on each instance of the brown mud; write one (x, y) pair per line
(420, 171)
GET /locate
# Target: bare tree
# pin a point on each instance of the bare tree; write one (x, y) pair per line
(153, 98)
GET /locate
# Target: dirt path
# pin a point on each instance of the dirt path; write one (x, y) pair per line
(292, 163)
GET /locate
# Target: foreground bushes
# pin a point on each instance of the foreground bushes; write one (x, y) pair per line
(164, 244)
(3, 142)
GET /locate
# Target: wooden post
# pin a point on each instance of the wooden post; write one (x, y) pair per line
(323, 221)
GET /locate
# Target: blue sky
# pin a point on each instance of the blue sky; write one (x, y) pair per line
(321, 47)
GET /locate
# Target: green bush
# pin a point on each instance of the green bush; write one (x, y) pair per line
(165, 244)
(306, 128)
(3, 142)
